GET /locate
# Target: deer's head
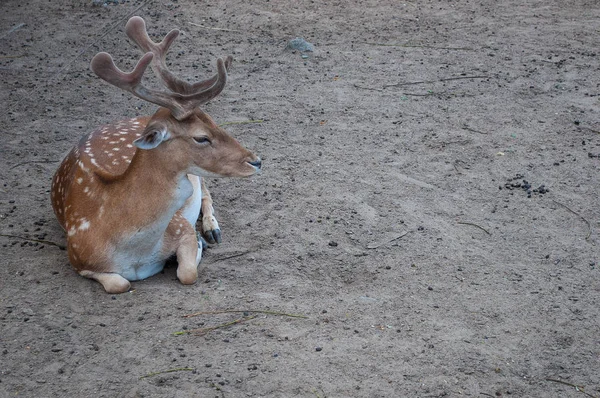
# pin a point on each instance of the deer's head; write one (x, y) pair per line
(179, 129)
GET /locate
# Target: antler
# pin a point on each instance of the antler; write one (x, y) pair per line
(184, 98)
(136, 30)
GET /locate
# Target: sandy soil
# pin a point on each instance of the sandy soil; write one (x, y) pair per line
(388, 211)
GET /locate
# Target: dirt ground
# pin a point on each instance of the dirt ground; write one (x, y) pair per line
(388, 212)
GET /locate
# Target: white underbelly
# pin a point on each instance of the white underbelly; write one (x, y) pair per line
(143, 271)
(139, 262)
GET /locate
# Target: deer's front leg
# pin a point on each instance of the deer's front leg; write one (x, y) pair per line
(210, 226)
(181, 239)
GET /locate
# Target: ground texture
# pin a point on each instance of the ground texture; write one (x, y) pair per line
(391, 210)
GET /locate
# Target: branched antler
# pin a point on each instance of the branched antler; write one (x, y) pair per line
(136, 30)
(184, 97)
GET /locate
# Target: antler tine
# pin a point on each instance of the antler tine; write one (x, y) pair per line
(136, 30)
(218, 84)
(104, 66)
(203, 85)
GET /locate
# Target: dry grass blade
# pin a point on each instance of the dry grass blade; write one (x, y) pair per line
(436, 81)
(13, 29)
(376, 245)
(47, 242)
(575, 386)
(227, 257)
(421, 82)
(203, 331)
(368, 88)
(465, 127)
(474, 225)
(580, 216)
(245, 311)
(32, 161)
(13, 56)
(420, 46)
(167, 371)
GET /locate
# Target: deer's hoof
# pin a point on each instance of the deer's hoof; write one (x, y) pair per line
(213, 236)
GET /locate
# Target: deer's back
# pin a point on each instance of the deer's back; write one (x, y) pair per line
(107, 151)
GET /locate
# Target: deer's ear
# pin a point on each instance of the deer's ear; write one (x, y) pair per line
(152, 139)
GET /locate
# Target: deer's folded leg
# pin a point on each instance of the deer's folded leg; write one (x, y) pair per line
(210, 225)
(180, 238)
(112, 283)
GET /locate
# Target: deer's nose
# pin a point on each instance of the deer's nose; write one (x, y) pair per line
(256, 163)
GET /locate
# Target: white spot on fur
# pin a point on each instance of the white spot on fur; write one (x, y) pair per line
(85, 225)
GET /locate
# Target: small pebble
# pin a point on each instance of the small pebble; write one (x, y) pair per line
(300, 44)
(319, 349)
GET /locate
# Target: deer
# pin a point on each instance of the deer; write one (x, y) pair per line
(129, 194)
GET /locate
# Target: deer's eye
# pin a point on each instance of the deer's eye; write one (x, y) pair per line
(202, 140)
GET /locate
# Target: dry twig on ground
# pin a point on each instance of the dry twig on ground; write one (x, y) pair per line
(580, 216)
(474, 225)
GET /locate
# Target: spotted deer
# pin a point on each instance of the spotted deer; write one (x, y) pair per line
(129, 194)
